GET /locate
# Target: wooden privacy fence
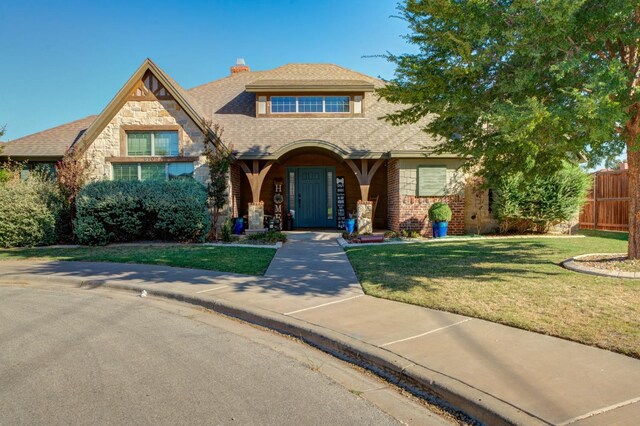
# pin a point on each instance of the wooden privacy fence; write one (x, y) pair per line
(607, 205)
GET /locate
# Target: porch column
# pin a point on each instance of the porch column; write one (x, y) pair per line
(256, 177)
(365, 207)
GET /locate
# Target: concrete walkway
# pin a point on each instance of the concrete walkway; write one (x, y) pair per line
(521, 377)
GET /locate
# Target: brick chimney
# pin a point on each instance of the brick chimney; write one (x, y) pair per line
(239, 67)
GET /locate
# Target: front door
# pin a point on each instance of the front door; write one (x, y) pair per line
(313, 197)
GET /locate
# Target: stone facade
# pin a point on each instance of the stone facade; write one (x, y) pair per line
(364, 215)
(477, 212)
(256, 216)
(146, 113)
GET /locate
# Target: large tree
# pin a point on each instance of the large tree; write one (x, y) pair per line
(519, 85)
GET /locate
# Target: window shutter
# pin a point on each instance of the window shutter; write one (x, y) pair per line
(432, 181)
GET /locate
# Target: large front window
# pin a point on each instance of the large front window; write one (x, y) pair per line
(158, 143)
(151, 171)
(309, 104)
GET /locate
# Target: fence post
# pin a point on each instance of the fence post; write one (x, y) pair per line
(595, 200)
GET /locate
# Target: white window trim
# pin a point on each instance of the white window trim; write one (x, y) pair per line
(324, 107)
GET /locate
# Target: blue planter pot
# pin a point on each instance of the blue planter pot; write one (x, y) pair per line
(350, 225)
(440, 229)
(238, 227)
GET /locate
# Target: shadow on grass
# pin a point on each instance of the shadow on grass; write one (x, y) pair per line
(313, 268)
(404, 266)
(620, 236)
(252, 261)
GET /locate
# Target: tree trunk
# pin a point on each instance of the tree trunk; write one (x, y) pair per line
(633, 160)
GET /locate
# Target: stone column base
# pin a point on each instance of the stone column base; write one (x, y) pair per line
(256, 216)
(364, 213)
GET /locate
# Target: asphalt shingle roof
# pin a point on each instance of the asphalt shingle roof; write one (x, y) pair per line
(48, 143)
(226, 102)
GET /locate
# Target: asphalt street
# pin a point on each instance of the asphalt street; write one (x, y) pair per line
(94, 357)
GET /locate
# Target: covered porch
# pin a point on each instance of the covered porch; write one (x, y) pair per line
(316, 183)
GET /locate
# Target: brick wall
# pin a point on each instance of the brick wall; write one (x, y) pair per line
(235, 189)
(413, 214)
(393, 195)
(410, 212)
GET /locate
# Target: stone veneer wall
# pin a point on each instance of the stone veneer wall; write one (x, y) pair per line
(146, 113)
(409, 212)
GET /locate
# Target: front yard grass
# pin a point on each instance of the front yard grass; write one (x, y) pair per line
(516, 282)
(240, 260)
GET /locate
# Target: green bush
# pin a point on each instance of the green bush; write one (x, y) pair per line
(271, 236)
(118, 211)
(539, 202)
(30, 210)
(226, 230)
(439, 212)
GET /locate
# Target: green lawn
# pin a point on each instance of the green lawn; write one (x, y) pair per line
(512, 281)
(241, 260)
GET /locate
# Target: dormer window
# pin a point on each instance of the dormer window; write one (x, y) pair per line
(310, 98)
(309, 104)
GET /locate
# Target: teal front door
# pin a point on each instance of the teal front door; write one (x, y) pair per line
(313, 196)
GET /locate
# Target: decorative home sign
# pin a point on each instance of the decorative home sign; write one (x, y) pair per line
(341, 201)
(277, 204)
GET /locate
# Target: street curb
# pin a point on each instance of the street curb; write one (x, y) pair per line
(398, 370)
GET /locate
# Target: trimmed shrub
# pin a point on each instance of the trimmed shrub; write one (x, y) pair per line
(539, 202)
(119, 211)
(440, 212)
(176, 210)
(30, 211)
(271, 236)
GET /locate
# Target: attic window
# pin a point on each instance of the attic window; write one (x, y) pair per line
(309, 104)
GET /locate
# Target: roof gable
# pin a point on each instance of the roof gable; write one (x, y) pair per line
(149, 82)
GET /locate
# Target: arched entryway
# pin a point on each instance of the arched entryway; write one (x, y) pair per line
(315, 182)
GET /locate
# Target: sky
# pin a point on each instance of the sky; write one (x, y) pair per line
(64, 60)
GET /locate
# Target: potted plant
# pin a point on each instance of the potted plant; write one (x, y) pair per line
(350, 222)
(439, 215)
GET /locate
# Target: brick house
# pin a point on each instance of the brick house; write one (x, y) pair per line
(307, 138)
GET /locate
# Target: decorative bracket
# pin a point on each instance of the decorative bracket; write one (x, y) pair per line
(256, 176)
(365, 175)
